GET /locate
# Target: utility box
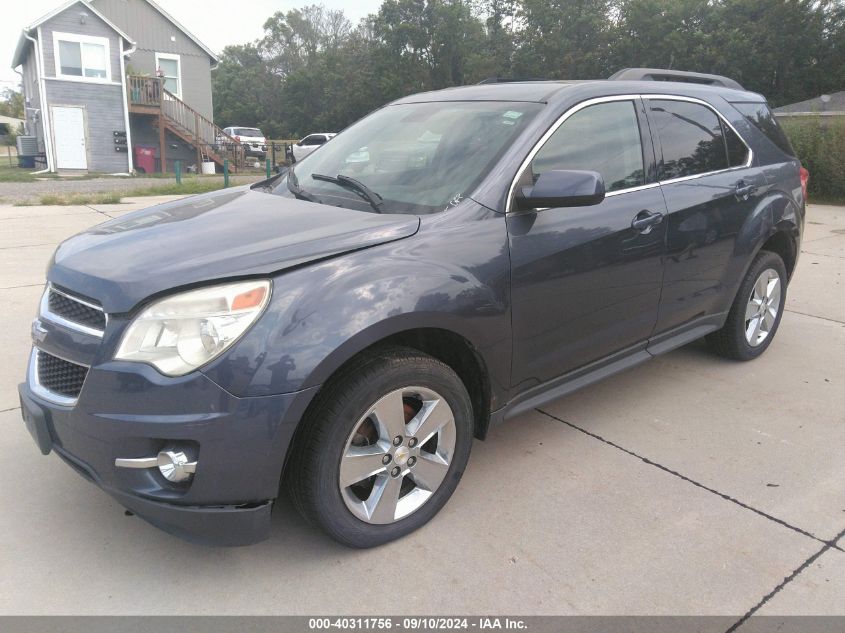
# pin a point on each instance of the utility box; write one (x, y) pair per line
(27, 145)
(145, 159)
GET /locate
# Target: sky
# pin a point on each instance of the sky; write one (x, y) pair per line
(217, 23)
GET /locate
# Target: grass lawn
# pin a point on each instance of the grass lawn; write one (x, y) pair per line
(189, 186)
(16, 174)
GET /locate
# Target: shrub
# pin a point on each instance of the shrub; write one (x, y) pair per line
(819, 143)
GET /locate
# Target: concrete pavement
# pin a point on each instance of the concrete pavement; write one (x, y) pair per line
(690, 485)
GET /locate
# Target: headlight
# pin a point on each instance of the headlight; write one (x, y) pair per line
(180, 333)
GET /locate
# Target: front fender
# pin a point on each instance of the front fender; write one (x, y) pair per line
(452, 275)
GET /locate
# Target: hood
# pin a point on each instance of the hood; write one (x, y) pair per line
(233, 233)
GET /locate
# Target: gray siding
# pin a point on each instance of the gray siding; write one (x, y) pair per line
(103, 116)
(34, 115)
(153, 32)
(68, 21)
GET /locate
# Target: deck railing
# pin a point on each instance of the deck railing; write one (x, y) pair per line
(207, 137)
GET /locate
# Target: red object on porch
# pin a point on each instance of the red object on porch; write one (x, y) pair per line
(145, 159)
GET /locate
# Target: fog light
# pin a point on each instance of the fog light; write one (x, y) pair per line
(172, 463)
(175, 466)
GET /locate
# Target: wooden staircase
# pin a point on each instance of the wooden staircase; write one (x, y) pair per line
(148, 96)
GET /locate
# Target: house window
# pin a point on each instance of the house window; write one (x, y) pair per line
(81, 57)
(169, 68)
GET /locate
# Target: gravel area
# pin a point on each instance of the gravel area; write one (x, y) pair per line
(12, 192)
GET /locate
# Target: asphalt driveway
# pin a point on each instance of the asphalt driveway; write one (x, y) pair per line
(690, 485)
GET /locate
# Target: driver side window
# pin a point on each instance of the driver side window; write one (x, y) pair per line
(605, 138)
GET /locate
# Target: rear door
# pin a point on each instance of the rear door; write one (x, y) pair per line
(711, 186)
(586, 283)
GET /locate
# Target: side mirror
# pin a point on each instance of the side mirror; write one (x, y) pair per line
(562, 188)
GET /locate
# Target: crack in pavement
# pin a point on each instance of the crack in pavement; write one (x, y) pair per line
(111, 217)
(814, 316)
(8, 248)
(795, 573)
(826, 545)
(646, 460)
(10, 409)
(23, 286)
(822, 255)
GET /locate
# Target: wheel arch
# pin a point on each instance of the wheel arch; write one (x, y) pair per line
(446, 345)
(774, 225)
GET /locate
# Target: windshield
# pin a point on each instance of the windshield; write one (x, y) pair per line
(416, 157)
(247, 131)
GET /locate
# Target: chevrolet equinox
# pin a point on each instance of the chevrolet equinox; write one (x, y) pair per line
(456, 258)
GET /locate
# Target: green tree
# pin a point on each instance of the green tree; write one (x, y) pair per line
(246, 92)
(11, 103)
(563, 39)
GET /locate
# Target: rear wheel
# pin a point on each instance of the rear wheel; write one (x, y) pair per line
(383, 448)
(756, 311)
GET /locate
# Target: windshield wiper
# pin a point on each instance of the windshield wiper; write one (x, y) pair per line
(357, 186)
(269, 184)
(298, 191)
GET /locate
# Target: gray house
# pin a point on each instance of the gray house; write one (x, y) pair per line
(832, 105)
(118, 85)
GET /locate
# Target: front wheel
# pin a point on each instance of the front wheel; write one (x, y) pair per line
(756, 311)
(383, 448)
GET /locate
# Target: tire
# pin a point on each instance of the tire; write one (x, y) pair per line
(735, 340)
(352, 416)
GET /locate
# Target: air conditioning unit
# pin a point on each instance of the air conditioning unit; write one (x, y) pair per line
(27, 145)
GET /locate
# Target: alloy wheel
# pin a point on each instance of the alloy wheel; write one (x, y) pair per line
(397, 455)
(762, 308)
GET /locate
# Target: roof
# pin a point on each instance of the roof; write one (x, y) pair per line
(193, 37)
(529, 91)
(823, 104)
(10, 120)
(548, 91)
(20, 56)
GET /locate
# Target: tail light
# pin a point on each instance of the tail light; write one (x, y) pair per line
(238, 139)
(805, 180)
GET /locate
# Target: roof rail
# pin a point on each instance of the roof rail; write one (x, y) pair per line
(660, 74)
(508, 80)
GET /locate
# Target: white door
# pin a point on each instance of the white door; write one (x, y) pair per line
(69, 134)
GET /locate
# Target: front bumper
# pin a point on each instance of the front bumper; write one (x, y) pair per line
(128, 410)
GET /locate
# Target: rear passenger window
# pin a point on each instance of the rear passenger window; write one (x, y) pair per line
(605, 138)
(691, 137)
(760, 115)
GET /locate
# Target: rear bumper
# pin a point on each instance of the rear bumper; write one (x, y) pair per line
(239, 444)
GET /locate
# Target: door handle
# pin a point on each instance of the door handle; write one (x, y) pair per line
(645, 220)
(744, 190)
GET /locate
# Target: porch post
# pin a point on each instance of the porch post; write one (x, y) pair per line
(162, 143)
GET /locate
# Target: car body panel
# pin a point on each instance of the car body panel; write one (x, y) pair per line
(233, 233)
(323, 314)
(584, 284)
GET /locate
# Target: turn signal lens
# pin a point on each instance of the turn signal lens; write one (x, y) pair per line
(805, 180)
(249, 299)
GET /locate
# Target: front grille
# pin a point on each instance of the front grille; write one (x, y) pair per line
(68, 308)
(60, 376)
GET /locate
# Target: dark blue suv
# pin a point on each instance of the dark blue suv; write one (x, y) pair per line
(347, 327)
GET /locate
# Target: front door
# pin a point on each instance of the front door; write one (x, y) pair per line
(69, 136)
(586, 283)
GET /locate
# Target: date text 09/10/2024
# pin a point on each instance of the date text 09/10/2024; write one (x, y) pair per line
(416, 624)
